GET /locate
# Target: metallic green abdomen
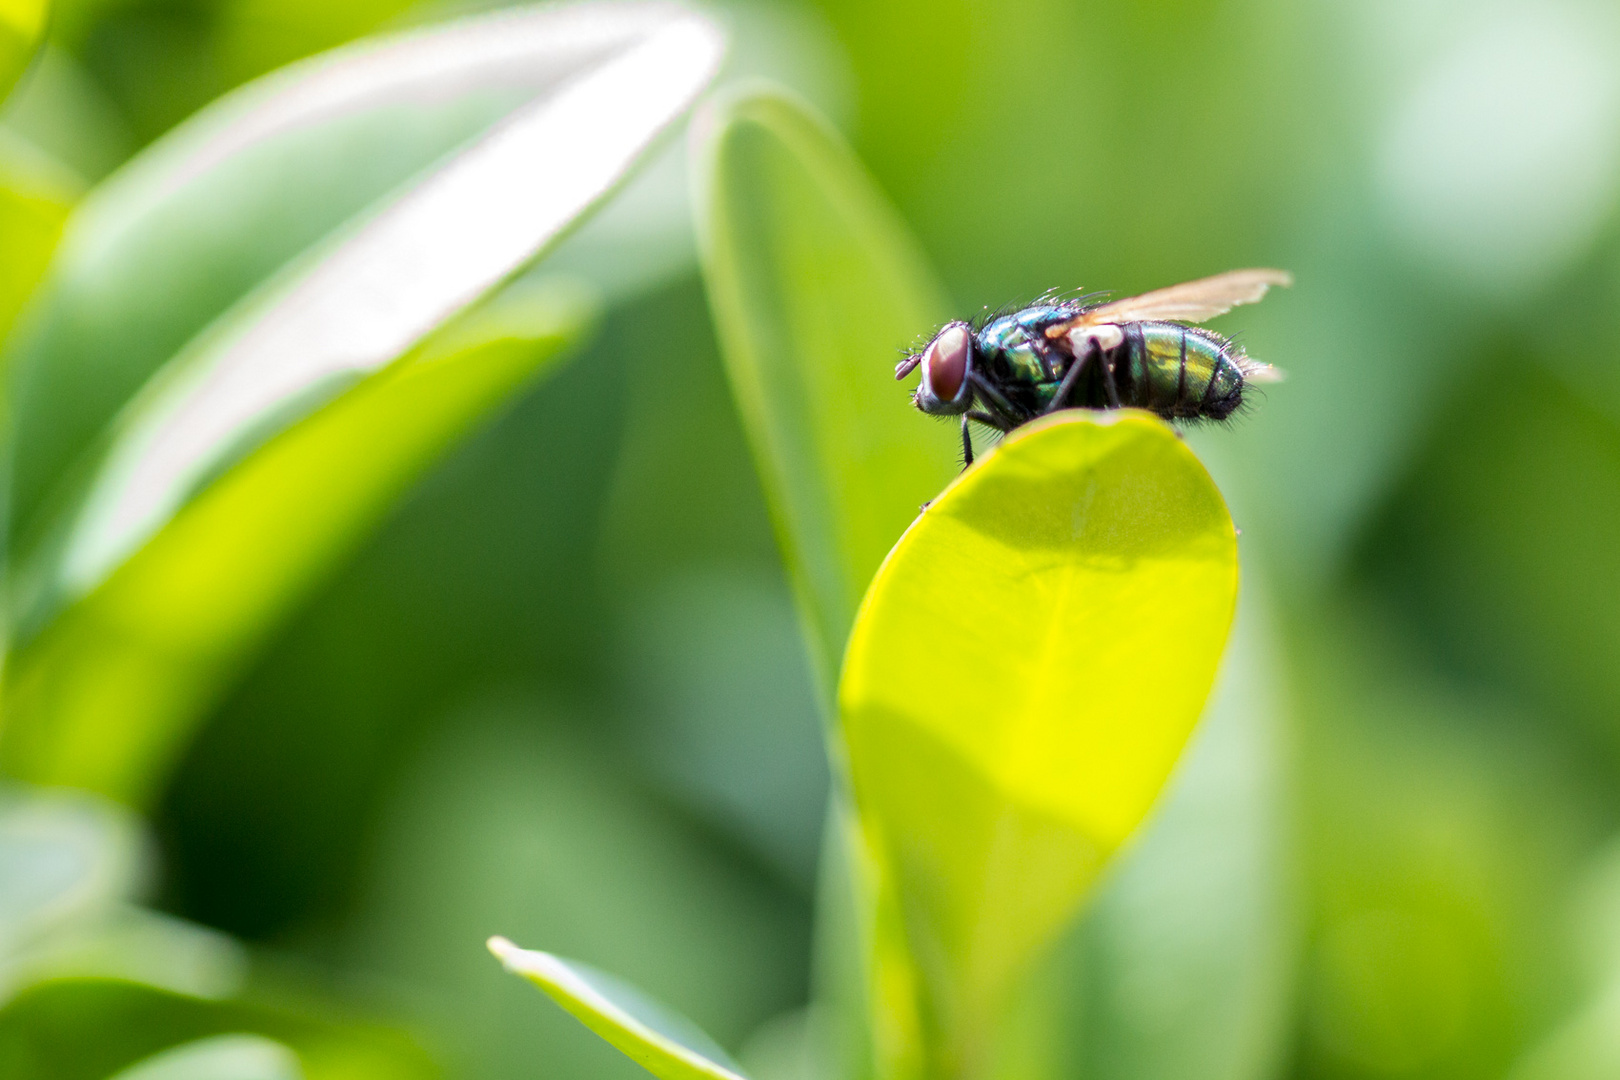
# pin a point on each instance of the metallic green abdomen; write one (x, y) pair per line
(1177, 371)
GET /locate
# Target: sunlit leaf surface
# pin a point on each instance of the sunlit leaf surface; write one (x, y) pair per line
(36, 195)
(1182, 963)
(22, 24)
(817, 288)
(664, 1043)
(1020, 680)
(137, 594)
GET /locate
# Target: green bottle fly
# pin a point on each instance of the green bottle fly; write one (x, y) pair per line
(1132, 353)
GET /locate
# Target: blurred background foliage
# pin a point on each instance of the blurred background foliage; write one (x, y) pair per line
(561, 693)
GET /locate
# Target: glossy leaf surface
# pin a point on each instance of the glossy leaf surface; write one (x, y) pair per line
(664, 1043)
(1022, 676)
(816, 288)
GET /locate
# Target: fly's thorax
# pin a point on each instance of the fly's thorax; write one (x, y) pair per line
(1007, 346)
(1182, 371)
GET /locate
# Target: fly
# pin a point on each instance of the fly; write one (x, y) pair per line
(1137, 353)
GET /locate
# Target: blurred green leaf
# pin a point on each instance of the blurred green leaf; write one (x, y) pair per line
(513, 816)
(145, 640)
(223, 1057)
(664, 1043)
(1442, 831)
(1586, 1044)
(1586, 1047)
(89, 1028)
(36, 195)
(816, 287)
(64, 856)
(22, 24)
(306, 203)
(1020, 680)
(89, 983)
(103, 697)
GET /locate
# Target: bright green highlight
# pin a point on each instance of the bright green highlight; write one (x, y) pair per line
(1022, 676)
(660, 1041)
(36, 195)
(22, 24)
(816, 286)
(105, 697)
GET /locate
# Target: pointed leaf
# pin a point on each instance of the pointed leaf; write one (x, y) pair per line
(816, 288)
(660, 1041)
(1020, 680)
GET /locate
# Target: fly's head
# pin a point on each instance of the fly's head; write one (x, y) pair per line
(946, 363)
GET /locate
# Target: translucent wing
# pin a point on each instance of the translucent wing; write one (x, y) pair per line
(1191, 301)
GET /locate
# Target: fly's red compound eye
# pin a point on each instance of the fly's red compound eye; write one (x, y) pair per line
(945, 362)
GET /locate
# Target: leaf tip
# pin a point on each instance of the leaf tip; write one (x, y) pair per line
(504, 951)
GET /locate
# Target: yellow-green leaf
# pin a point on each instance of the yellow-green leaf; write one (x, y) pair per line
(22, 24)
(35, 196)
(816, 285)
(1021, 678)
(161, 525)
(661, 1041)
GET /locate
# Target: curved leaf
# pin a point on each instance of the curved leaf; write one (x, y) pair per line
(816, 286)
(660, 1041)
(22, 25)
(1022, 676)
(104, 696)
(160, 560)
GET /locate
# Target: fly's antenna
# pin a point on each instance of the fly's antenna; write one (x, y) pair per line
(907, 366)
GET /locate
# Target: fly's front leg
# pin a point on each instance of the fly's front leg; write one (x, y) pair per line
(967, 439)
